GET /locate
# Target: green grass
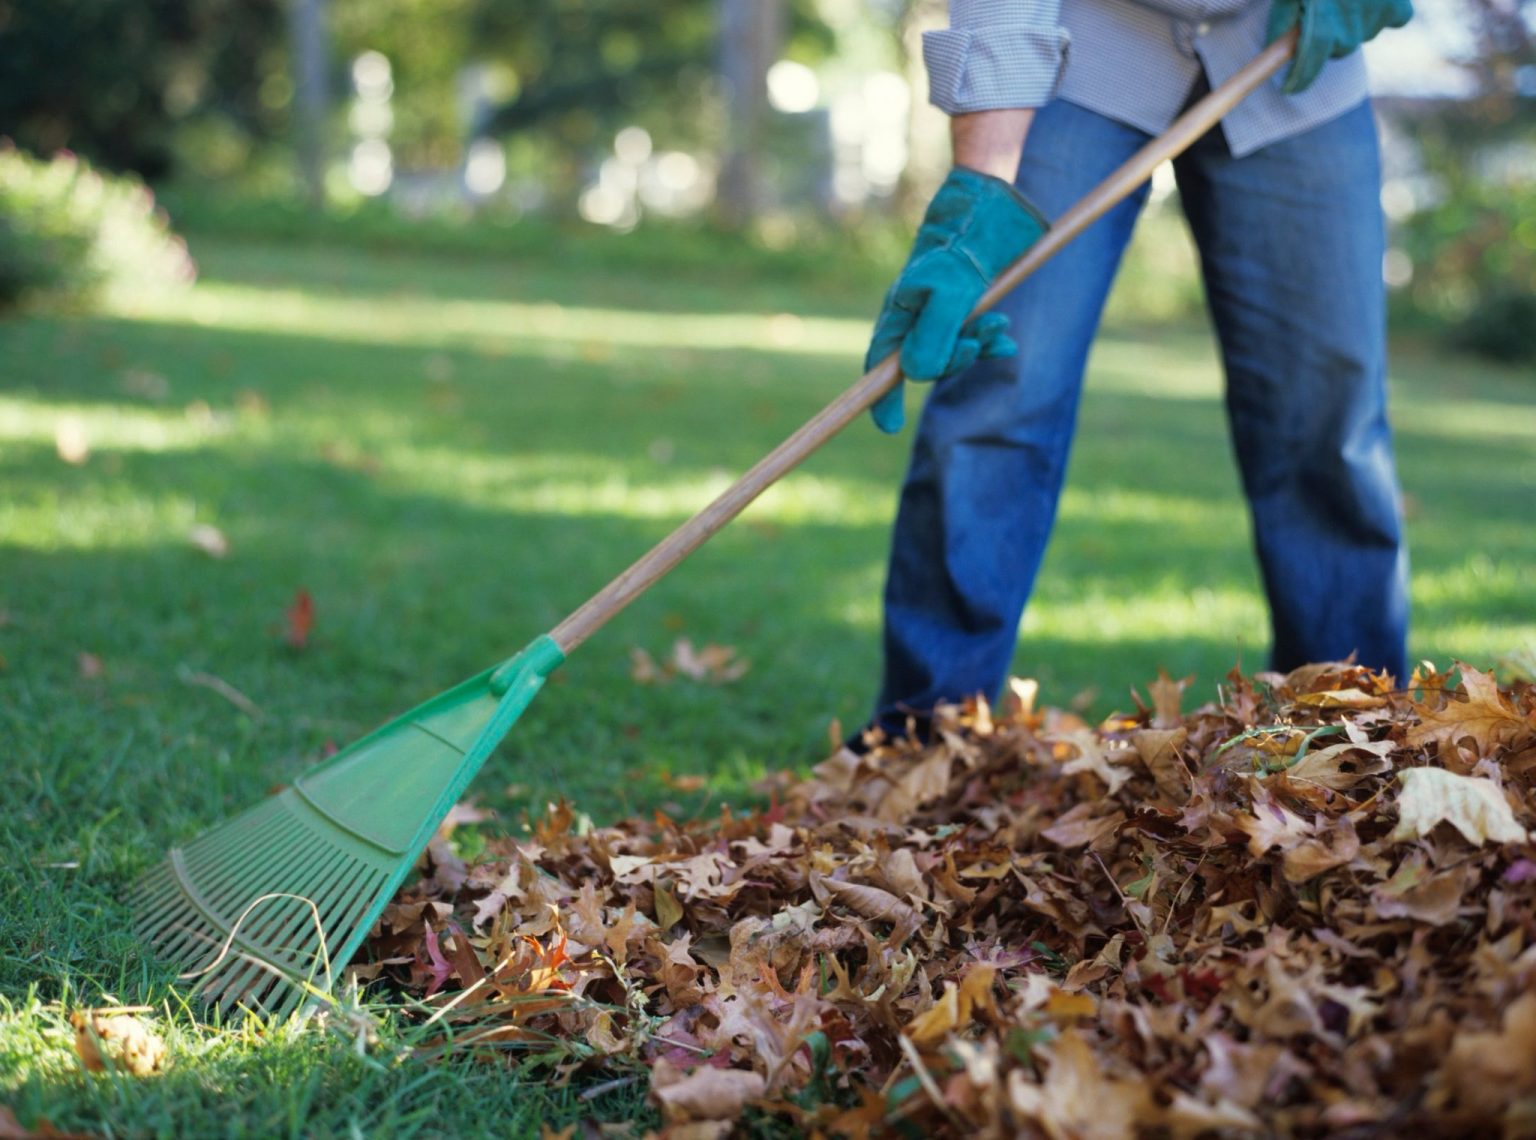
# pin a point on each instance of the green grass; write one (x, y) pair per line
(452, 453)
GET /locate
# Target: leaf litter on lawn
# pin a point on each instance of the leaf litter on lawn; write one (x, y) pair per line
(1304, 910)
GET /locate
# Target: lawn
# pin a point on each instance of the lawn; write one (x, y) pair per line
(449, 454)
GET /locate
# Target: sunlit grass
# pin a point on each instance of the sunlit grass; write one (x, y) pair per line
(556, 330)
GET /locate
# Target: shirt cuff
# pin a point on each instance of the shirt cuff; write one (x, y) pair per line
(992, 67)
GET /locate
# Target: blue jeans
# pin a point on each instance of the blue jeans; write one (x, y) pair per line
(1290, 241)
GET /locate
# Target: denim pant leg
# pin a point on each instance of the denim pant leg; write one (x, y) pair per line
(991, 447)
(1291, 245)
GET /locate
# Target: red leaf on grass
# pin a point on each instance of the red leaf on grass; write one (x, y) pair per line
(300, 617)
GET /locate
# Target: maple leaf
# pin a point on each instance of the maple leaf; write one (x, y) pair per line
(1092, 756)
(1486, 717)
(1473, 805)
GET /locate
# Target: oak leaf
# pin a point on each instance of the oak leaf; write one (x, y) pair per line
(1486, 717)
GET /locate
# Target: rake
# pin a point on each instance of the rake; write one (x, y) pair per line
(259, 909)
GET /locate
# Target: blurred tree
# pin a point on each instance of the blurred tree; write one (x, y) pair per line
(691, 68)
(577, 62)
(750, 38)
(1472, 246)
(309, 42)
(114, 79)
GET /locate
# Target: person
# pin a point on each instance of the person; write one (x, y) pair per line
(1047, 97)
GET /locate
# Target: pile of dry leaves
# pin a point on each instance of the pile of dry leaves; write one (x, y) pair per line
(1306, 910)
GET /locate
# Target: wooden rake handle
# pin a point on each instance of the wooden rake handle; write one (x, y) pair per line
(879, 380)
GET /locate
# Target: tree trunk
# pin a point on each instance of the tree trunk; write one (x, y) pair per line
(751, 35)
(310, 46)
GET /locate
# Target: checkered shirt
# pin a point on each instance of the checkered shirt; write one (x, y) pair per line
(1134, 61)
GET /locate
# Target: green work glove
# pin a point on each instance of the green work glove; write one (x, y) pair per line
(1330, 29)
(975, 226)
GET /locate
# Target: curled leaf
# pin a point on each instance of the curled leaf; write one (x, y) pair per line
(1473, 805)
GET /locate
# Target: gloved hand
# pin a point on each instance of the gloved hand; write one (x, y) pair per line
(975, 226)
(1330, 29)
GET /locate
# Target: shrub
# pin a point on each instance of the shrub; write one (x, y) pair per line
(68, 233)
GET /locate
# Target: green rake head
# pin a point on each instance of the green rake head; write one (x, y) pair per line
(263, 910)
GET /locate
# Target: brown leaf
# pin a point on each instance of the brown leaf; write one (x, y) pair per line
(1216, 917)
(1159, 751)
(1271, 825)
(710, 1094)
(1092, 756)
(112, 1039)
(1474, 806)
(669, 912)
(1416, 891)
(1334, 847)
(712, 664)
(1342, 766)
(13, 1129)
(1076, 1098)
(1167, 700)
(1188, 1118)
(873, 903)
(1341, 699)
(1487, 1071)
(955, 1009)
(1485, 717)
(1083, 826)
